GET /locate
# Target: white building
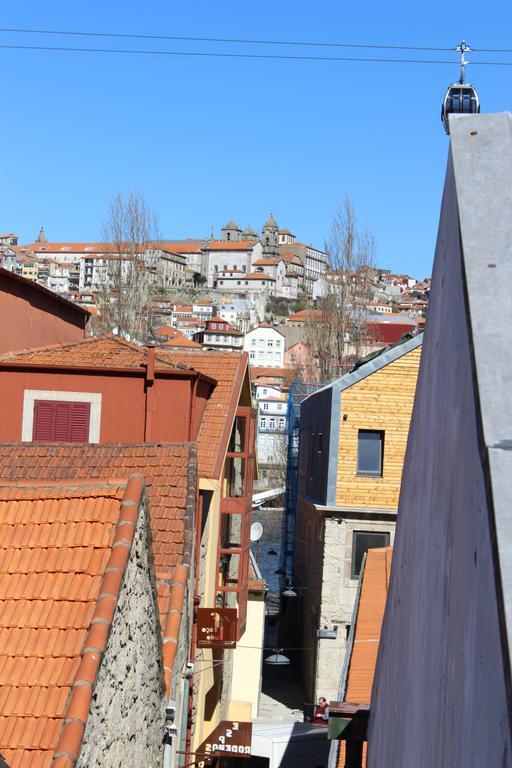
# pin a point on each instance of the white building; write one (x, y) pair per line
(271, 435)
(265, 345)
(229, 255)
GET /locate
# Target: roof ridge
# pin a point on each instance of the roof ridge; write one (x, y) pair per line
(77, 711)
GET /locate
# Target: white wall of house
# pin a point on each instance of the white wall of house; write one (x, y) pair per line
(265, 346)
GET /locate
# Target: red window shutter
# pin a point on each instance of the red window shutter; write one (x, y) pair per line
(44, 413)
(63, 422)
(79, 423)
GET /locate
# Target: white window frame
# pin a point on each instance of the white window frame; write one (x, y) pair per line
(31, 395)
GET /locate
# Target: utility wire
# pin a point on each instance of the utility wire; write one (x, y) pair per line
(225, 55)
(244, 41)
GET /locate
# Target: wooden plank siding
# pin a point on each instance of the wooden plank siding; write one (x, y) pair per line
(381, 401)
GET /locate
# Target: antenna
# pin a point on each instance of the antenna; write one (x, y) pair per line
(462, 48)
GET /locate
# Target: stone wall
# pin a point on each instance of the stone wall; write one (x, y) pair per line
(126, 719)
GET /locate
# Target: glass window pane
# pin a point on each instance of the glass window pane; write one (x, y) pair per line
(369, 452)
(362, 541)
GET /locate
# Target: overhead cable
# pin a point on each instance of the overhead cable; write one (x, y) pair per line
(226, 55)
(244, 41)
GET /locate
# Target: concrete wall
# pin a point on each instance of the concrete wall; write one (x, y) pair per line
(440, 695)
(125, 723)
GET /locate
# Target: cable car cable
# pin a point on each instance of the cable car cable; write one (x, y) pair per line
(249, 41)
(227, 55)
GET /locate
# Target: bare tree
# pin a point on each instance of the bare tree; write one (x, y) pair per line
(336, 330)
(129, 277)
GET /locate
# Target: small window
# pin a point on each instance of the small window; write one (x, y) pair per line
(265, 406)
(362, 541)
(56, 421)
(370, 452)
(272, 423)
(253, 342)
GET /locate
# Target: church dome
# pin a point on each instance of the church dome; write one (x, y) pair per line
(271, 222)
(249, 232)
(232, 225)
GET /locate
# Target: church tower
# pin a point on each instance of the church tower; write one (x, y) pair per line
(270, 238)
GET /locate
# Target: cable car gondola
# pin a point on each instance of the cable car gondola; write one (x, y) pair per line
(460, 98)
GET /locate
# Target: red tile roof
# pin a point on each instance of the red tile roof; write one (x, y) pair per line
(259, 276)
(265, 262)
(94, 352)
(82, 248)
(228, 369)
(187, 246)
(230, 245)
(169, 471)
(305, 316)
(175, 338)
(60, 547)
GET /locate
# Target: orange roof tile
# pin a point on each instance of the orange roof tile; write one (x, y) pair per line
(169, 471)
(228, 370)
(370, 613)
(259, 276)
(83, 248)
(175, 338)
(95, 352)
(230, 245)
(60, 547)
(187, 246)
(265, 262)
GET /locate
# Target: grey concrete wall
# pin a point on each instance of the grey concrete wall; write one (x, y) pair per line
(439, 696)
(126, 719)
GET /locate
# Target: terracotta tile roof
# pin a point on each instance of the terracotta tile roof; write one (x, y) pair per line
(265, 262)
(82, 248)
(169, 471)
(228, 370)
(256, 372)
(175, 338)
(230, 245)
(56, 544)
(187, 246)
(370, 613)
(95, 352)
(259, 276)
(305, 316)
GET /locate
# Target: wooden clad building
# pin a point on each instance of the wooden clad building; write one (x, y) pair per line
(353, 438)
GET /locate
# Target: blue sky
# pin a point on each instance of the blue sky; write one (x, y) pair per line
(206, 139)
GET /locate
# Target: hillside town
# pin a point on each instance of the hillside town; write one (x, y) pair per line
(223, 295)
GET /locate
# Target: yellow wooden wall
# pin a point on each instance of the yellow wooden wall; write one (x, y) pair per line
(381, 401)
